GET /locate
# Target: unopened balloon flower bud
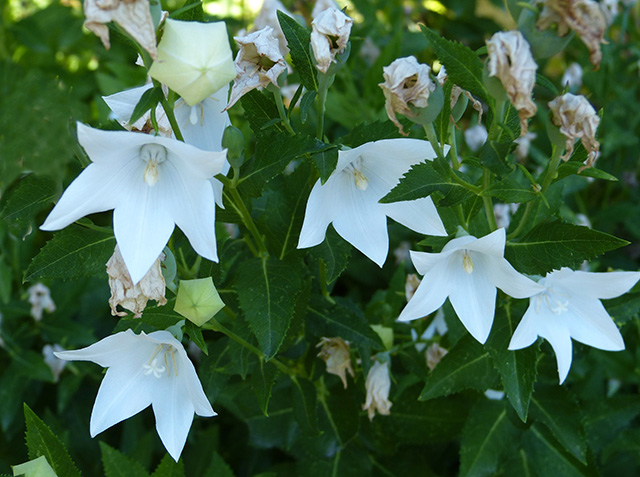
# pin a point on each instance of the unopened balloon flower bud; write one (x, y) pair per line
(378, 385)
(233, 142)
(336, 355)
(434, 354)
(585, 17)
(134, 16)
(194, 59)
(259, 63)
(330, 32)
(198, 300)
(407, 89)
(134, 296)
(511, 61)
(577, 119)
(40, 299)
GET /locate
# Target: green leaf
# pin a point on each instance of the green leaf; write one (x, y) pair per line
(493, 156)
(218, 467)
(547, 457)
(334, 252)
(195, 333)
(511, 126)
(305, 104)
(262, 383)
(299, 43)
(557, 409)
(466, 366)
(41, 441)
(191, 11)
(606, 418)
(518, 369)
(508, 190)
(117, 464)
(443, 121)
(422, 180)
(325, 161)
(169, 468)
(74, 252)
(342, 412)
(547, 84)
(553, 245)
(572, 168)
(266, 291)
(260, 110)
(30, 196)
(623, 308)
(149, 99)
(488, 437)
(305, 403)
(464, 68)
(367, 132)
(342, 320)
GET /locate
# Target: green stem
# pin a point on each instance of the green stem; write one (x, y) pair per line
(283, 114)
(431, 136)
(323, 284)
(454, 147)
(168, 110)
(488, 203)
(475, 189)
(497, 119)
(247, 220)
(324, 82)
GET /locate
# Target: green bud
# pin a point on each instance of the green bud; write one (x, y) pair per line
(233, 141)
(198, 300)
(430, 113)
(385, 334)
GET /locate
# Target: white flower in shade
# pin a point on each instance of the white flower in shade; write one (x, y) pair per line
(145, 370)
(330, 32)
(268, 16)
(378, 385)
(476, 136)
(194, 59)
(134, 16)
(585, 17)
(406, 83)
(134, 297)
(568, 307)
(572, 77)
(467, 271)
(577, 119)
(153, 183)
(56, 365)
(40, 300)
(511, 61)
(349, 198)
(259, 63)
(336, 355)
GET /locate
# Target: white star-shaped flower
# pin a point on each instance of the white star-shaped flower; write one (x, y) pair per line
(467, 271)
(568, 307)
(145, 370)
(349, 198)
(153, 183)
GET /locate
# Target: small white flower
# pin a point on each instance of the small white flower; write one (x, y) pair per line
(336, 355)
(259, 63)
(467, 271)
(134, 16)
(153, 183)
(40, 299)
(572, 77)
(194, 59)
(476, 136)
(349, 198)
(406, 83)
(145, 370)
(510, 60)
(577, 119)
(524, 144)
(503, 213)
(330, 32)
(378, 385)
(568, 307)
(56, 364)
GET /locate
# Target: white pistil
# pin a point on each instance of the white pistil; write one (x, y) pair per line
(361, 181)
(152, 365)
(157, 371)
(152, 154)
(193, 117)
(467, 263)
(557, 305)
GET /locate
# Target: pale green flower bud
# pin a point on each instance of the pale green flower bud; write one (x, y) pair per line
(198, 300)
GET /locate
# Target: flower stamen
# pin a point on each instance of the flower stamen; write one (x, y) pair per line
(467, 263)
(152, 154)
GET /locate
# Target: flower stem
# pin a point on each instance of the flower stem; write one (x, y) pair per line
(454, 147)
(168, 110)
(431, 136)
(488, 203)
(283, 115)
(324, 82)
(247, 220)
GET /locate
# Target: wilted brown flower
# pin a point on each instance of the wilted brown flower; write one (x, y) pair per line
(434, 354)
(378, 385)
(336, 355)
(330, 32)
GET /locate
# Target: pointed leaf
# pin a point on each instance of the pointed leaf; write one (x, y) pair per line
(149, 99)
(169, 468)
(493, 156)
(262, 381)
(260, 110)
(117, 464)
(548, 457)
(334, 252)
(218, 467)
(305, 403)
(299, 43)
(367, 132)
(508, 190)
(30, 196)
(325, 161)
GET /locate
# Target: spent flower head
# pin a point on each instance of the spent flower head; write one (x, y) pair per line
(335, 353)
(330, 32)
(378, 385)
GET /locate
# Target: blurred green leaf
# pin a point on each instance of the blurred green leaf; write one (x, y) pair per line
(30, 196)
(117, 464)
(299, 43)
(508, 190)
(305, 405)
(548, 457)
(169, 468)
(334, 252)
(325, 162)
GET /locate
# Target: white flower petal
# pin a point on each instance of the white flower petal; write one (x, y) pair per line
(323, 201)
(509, 280)
(211, 121)
(492, 244)
(596, 285)
(591, 324)
(418, 215)
(526, 332)
(435, 287)
(425, 261)
(109, 351)
(124, 102)
(560, 340)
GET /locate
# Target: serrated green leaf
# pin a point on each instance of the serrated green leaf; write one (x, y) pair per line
(466, 366)
(325, 162)
(195, 333)
(443, 121)
(342, 411)
(34, 468)
(518, 369)
(553, 245)
(487, 438)
(149, 99)
(342, 320)
(367, 132)
(74, 252)
(191, 11)
(305, 404)
(218, 467)
(547, 457)
(493, 156)
(508, 190)
(305, 105)
(510, 127)
(624, 308)
(464, 68)
(266, 291)
(262, 381)
(169, 468)
(41, 441)
(299, 43)
(30, 196)
(259, 109)
(334, 252)
(557, 409)
(572, 168)
(422, 180)
(117, 464)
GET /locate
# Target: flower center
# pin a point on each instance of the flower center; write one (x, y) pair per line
(467, 263)
(557, 302)
(163, 353)
(152, 154)
(359, 178)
